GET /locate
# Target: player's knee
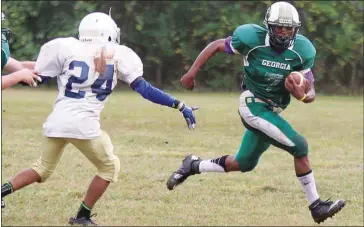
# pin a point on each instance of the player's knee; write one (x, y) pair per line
(247, 164)
(44, 171)
(116, 168)
(110, 170)
(301, 147)
(248, 168)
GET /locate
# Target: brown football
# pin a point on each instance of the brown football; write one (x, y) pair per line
(298, 79)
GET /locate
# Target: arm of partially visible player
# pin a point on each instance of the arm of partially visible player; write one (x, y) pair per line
(14, 65)
(26, 76)
(28, 64)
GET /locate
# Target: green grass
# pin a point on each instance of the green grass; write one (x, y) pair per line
(151, 141)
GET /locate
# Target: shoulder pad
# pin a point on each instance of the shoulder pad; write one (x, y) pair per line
(304, 47)
(251, 34)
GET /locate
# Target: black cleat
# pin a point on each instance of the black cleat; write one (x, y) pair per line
(321, 210)
(2, 203)
(190, 166)
(83, 221)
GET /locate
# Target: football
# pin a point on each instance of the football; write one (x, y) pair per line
(299, 80)
(297, 77)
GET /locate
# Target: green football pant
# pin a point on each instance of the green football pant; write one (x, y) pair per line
(265, 127)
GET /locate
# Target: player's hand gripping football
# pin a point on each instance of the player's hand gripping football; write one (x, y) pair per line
(297, 85)
(188, 80)
(29, 77)
(187, 113)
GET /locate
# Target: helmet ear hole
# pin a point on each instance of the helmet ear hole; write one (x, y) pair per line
(109, 39)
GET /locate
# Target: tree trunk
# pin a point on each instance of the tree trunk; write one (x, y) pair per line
(158, 76)
(353, 81)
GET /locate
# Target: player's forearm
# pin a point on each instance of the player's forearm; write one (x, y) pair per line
(147, 91)
(10, 80)
(28, 64)
(209, 51)
(14, 65)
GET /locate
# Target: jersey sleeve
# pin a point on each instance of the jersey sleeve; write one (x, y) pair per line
(48, 63)
(240, 38)
(308, 63)
(307, 52)
(129, 65)
(308, 60)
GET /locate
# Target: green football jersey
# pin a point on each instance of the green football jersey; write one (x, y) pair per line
(5, 51)
(264, 69)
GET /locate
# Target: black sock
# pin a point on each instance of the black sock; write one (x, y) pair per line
(195, 167)
(220, 161)
(84, 211)
(6, 189)
(304, 174)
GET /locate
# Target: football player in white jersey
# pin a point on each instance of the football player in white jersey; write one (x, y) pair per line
(87, 70)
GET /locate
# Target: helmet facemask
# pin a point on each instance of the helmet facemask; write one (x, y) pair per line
(281, 41)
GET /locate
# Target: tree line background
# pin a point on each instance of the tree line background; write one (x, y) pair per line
(168, 36)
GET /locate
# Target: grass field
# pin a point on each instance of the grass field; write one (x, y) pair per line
(151, 141)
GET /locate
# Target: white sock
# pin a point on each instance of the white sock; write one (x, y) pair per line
(208, 166)
(309, 186)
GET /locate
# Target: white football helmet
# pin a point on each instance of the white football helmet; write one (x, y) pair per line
(98, 27)
(282, 14)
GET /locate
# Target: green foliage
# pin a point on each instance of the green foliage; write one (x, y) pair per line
(336, 29)
(169, 35)
(34, 23)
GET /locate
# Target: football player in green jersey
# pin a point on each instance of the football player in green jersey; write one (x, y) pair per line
(270, 55)
(18, 71)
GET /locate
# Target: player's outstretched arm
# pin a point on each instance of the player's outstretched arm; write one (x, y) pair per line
(147, 91)
(25, 75)
(188, 80)
(14, 65)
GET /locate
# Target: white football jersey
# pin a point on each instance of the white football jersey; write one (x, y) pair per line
(83, 91)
